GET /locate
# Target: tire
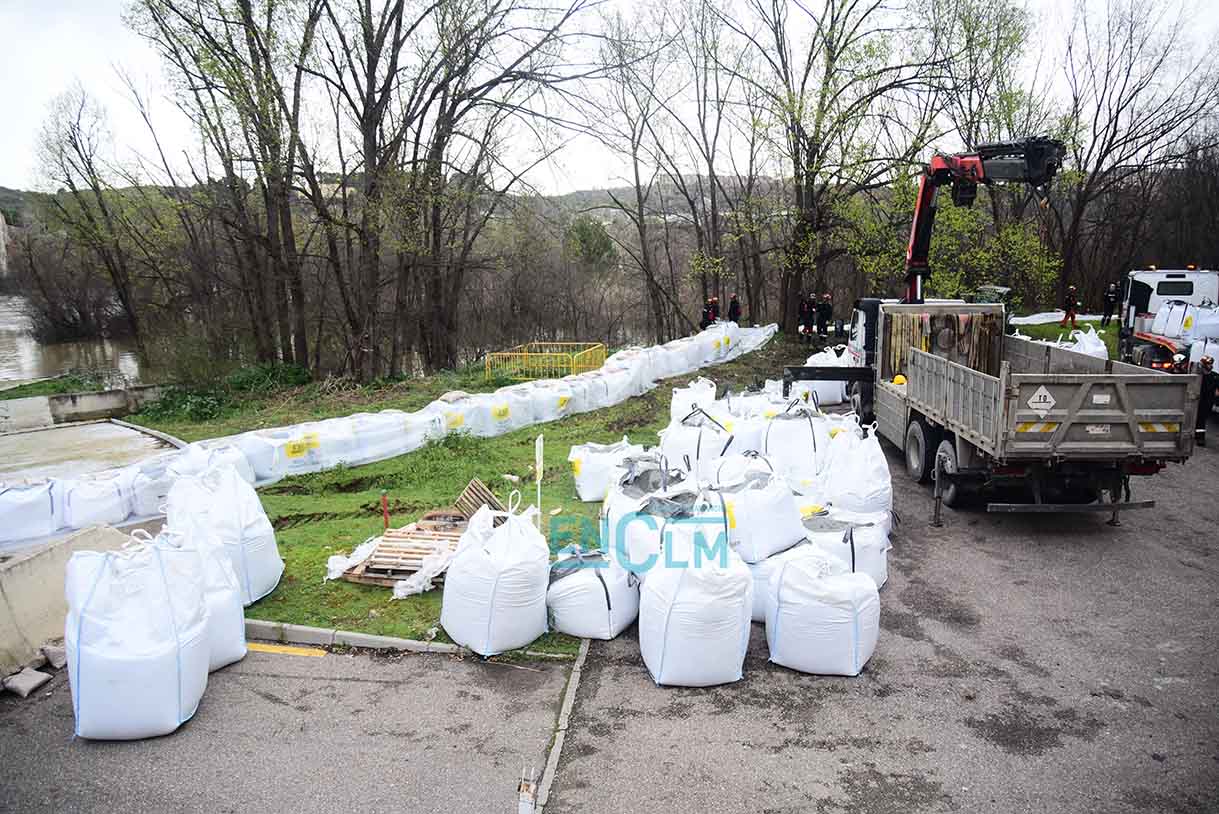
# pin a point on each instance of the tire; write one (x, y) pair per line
(920, 451)
(953, 494)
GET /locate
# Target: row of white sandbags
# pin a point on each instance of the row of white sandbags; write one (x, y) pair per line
(31, 511)
(1181, 320)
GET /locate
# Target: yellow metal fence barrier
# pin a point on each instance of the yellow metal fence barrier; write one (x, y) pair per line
(545, 360)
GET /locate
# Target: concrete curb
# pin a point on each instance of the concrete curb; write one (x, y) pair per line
(327, 637)
(560, 733)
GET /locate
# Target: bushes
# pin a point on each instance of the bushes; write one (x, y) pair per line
(265, 378)
(207, 402)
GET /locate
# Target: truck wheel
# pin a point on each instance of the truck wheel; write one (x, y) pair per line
(952, 494)
(920, 451)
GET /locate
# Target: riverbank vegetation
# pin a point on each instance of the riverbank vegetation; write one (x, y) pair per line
(362, 197)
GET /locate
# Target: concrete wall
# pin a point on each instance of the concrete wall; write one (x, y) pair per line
(32, 604)
(45, 411)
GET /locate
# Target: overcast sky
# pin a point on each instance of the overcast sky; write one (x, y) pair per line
(46, 45)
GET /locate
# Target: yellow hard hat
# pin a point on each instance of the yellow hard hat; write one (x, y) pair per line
(899, 379)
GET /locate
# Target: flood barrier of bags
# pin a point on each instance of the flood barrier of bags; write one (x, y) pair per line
(128, 494)
(495, 588)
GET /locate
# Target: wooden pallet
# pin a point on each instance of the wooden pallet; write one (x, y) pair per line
(474, 497)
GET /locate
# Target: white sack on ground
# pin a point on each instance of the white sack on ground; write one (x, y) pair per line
(763, 570)
(642, 540)
(136, 640)
(1089, 343)
(796, 442)
(337, 564)
(860, 483)
(150, 482)
(520, 405)
(221, 592)
(827, 392)
(593, 466)
(818, 623)
(735, 468)
(28, 510)
(220, 502)
(635, 479)
(762, 516)
(862, 549)
(696, 444)
(698, 393)
(578, 388)
(495, 588)
(590, 597)
(102, 498)
(551, 400)
(694, 620)
(382, 435)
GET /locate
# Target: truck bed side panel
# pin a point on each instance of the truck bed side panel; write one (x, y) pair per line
(960, 399)
(889, 405)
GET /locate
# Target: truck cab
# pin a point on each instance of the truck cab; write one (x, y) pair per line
(1144, 293)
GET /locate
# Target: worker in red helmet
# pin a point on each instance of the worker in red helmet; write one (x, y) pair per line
(715, 308)
(1070, 304)
(1206, 397)
(808, 317)
(734, 309)
(705, 319)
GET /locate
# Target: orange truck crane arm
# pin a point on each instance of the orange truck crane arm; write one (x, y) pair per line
(1032, 161)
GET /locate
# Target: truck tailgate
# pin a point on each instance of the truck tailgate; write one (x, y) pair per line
(1092, 416)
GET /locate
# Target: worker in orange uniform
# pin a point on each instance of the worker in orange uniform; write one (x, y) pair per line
(1070, 304)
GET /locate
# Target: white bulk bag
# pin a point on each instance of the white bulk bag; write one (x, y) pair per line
(220, 503)
(520, 405)
(551, 400)
(694, 620)
(697, 444)
(861, 482)
(264, 449)
(150, 482)
(1087, 342)
(221, 592)
(378, 436)
(104, 498)
(795, 441)
(28, 510)
(201, 455)
(643, 544)
(462, 413)
(421, 427)
(677, 357)
(589, 597)
(763, 569)
(698, 393)
(136, 639)
(635, 480)
(1203, 347)
(862, 549)
(593, 466)
(578, 388)
(619, 384)
(818, 623)
(495, 588)
(827, 392)
(734, 468)
(762, 516)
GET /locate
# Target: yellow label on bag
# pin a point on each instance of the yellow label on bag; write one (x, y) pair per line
(718, 343)
(563, 401)
(834, 431)
(730, 511)
(810, 509)
(770, 413)
(454, 420)
(1189, 321)
(300, 447)
(500, 413)
(728, 426)
(576, 463)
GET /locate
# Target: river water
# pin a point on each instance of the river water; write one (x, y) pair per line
(22, 357)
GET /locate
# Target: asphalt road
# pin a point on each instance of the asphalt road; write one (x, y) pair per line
(1026, 664)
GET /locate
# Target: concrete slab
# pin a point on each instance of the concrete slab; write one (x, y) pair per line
(72, 451)
(284, 733)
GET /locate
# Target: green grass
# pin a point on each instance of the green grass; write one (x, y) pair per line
(331, 512)
(69, 383)
(1053, 331)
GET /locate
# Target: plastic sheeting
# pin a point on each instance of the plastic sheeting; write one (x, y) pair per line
(220, 503)
(495, 587)
(818, 623)
(694, 620)
(136, 640)
(590, 597)
(593, 466)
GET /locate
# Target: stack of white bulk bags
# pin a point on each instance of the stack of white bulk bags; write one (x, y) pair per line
(633, 482)
(30, 510)
(495, 588)
(694, 620)
(820, 623)
(762, 516)
(220, 503)
(698, 393)
(697, 443)
(619, 384)
(221, 591)
(638, 363)
(103, 498)
(860, 481)
(593, 466)
(494, 411)
(136, 639)
(462, 413)
(764, 569)
(378, 436)
(677, 357)
(826, 392)
(591, 597)
(795, 441)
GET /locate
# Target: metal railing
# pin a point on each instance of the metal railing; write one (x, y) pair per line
(545, 360)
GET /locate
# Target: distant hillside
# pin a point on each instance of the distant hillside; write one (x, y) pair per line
(12, 204)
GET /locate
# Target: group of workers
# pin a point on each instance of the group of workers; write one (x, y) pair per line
(815, 315)
(1071, 304)
(711, 311)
